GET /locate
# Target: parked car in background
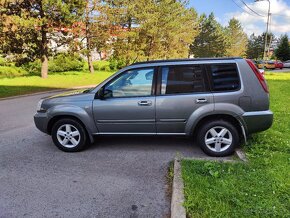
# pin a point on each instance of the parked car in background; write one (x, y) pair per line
(269, 65)
(278, 64)
(286, 63)
(260, 64)
(216, 101)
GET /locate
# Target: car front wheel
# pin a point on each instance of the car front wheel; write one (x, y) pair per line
(69, 135)
(218, 138)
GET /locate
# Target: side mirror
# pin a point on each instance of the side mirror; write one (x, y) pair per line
(108, 93)
(104, 93)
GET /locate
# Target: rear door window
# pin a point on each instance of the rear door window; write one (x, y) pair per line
(224, 77)
(183, 79)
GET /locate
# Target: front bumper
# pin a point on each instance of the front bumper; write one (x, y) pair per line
(41, 121)
(258, 121)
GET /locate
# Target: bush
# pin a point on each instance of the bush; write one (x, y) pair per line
(65, 62)
(116, 64)
(5, 62)
(2, 61)
(101, 65)
(33, 68)
(10, 72)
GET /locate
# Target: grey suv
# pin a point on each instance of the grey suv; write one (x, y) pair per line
(217, 101)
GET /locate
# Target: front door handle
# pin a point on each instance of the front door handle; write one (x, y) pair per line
(144, 103)
(201, 100)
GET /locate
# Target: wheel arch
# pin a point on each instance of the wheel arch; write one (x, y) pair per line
(227, 117)
(56, 118)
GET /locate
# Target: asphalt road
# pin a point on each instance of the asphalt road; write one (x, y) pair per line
(286, 70)
(115, 177)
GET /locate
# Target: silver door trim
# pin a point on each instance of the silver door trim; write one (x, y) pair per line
(127, 121)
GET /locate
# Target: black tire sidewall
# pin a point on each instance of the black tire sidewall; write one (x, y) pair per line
(78, 126)
(203, 130)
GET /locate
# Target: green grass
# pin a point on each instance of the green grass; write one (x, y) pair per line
(260, 188)
(31, 84)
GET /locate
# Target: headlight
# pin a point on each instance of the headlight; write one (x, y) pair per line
(39, 108)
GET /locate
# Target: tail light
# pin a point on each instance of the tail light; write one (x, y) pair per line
(259, 75)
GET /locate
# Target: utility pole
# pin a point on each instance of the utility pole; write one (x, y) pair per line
(266, 36)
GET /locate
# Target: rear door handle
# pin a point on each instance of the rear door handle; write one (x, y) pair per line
(144, 103)
(201, 100)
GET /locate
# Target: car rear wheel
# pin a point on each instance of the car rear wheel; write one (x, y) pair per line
(218, 138)
(69, 135)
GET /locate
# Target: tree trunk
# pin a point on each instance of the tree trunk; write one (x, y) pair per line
(149, 48)
(88, 35)
(100, 54)
(128, 47)
(44, 66)
(90, 62)
(44, 55)
(44, 47)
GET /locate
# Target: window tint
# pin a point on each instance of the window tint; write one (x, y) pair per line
(182, 79)
(136, 82)
(225, 77)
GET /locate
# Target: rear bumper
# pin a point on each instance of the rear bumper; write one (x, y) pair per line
(41, 121)
(258, 121)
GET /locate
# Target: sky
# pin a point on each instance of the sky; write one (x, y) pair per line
(224, 10)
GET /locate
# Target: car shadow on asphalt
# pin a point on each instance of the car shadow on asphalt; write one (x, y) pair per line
(177, 145)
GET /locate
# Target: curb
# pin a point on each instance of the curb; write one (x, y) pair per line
(211, 159)
(32, 94)
(241, 155)
(45, 92)
(177, 209)
(238, 152)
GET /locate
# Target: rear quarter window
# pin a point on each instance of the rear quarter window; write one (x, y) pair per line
(224, 77)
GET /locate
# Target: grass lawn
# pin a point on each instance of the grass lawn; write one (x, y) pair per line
(31, 84)
(259, 188)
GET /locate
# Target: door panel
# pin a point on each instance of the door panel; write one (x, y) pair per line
(128, 105)
(172, 112)
(125, 115)
(183, 90)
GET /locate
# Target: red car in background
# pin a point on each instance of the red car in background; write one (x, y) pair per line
(279, 64)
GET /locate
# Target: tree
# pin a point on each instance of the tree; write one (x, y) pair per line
(124, 30)
(153, 29)
(97, 28)
(211, 41)
(28, 26)
(283, 50)
(169, 32)
(236, 38)
(255, 47)
(88, 11)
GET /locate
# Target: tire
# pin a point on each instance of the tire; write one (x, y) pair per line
(225, 135)
(69, 135)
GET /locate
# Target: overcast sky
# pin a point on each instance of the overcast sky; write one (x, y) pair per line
(224, 10)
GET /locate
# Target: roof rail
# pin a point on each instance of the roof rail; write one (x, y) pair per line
(185, 59)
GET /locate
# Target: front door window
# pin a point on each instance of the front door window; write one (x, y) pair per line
(132, 83)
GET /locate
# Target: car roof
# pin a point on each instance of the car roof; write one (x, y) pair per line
(185, 59)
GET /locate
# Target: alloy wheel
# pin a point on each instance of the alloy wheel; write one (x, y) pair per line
(218, 139)
(68, 136)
